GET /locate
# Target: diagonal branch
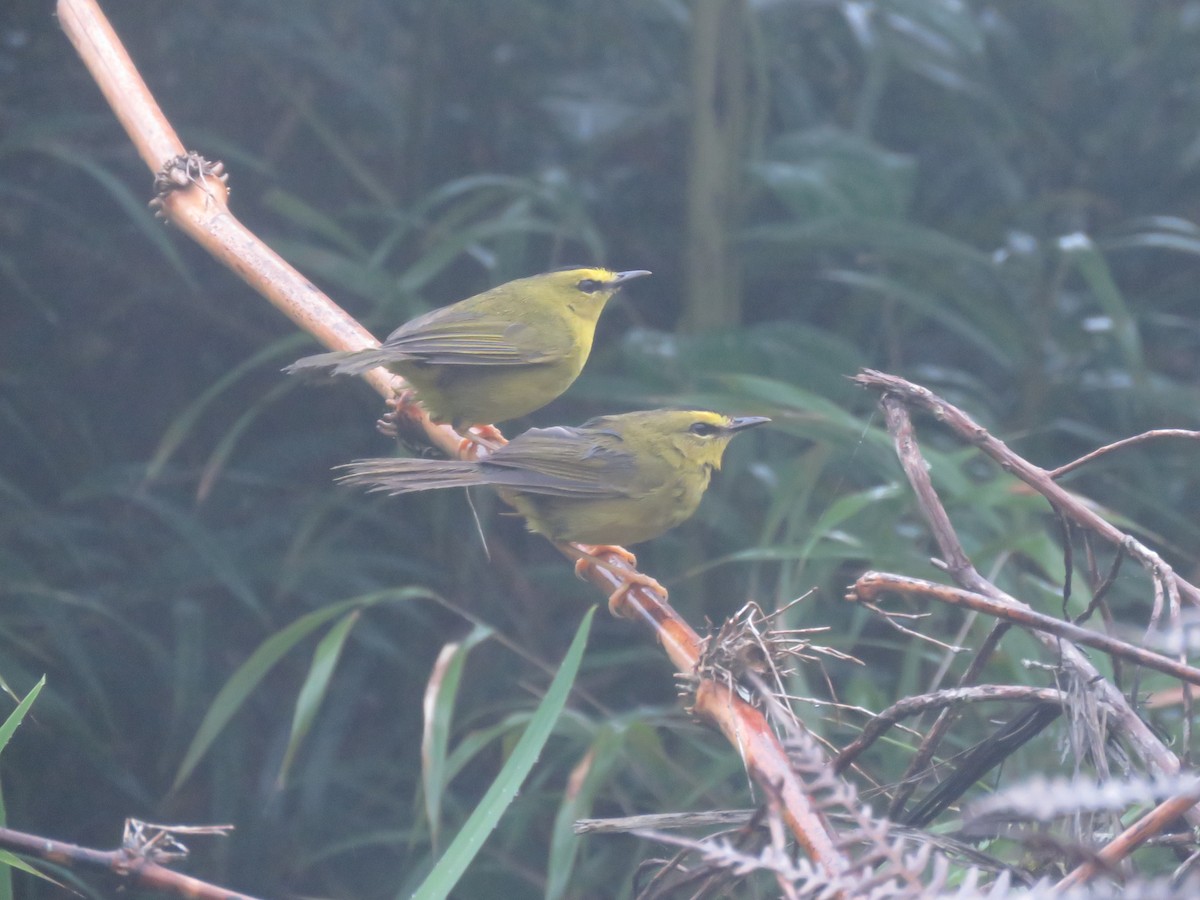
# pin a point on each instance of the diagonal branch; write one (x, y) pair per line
(1142, 438)
(199, 207)
(1162, 818)
(870, 585)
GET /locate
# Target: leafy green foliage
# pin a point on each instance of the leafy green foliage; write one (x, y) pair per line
(996, 200)
(502, 791)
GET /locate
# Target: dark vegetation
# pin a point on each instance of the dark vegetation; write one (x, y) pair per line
(997, 201)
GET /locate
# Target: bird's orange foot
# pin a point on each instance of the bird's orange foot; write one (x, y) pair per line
(479, 440)
(593, 555)
(616, 600)
(398, 409)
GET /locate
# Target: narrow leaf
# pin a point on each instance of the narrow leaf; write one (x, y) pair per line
(438, 707)
(237, 689)
(466, 844)
(18, 715)
(586, 779)
(312, 692)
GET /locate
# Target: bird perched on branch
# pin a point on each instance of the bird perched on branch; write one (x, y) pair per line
(495, 356)
(617, 479)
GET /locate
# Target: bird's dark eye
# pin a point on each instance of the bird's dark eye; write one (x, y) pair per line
(590, 285)
(704, 429)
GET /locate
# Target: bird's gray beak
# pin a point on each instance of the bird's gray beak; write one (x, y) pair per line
(620, 278)
(747, 422)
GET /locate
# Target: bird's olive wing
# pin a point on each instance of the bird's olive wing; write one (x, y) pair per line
(564, 462)
(452, 337)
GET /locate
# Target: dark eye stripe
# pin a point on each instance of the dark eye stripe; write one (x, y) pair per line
(704, 429)
(590, 285)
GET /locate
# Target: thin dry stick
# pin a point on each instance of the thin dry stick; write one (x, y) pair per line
(870, 585)
(911, 706)
(134, 869)
(200, 210)
(1142, 438)
(943, 723)
(1149, 825)
(1145, 744)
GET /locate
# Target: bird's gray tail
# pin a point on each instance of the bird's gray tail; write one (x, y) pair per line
(403, 476)
(343, 362)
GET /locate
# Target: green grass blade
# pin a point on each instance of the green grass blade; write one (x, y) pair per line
(6, 858)
(9, 859)
(312, 692)
(237, 689)
(440, 697)
(1093, 267)
(184, 424)
(11, 723)
(466, 844)
(232, 437)
(6, 732)
(133, 205)
(18, 715)
(586, 779)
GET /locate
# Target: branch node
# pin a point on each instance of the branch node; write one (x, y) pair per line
(184, 172)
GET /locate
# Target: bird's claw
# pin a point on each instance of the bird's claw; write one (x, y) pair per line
(627, 574)
(398, 408)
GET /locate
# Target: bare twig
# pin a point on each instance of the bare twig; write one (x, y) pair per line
(893, 620)
(623, 824)
(911, 706)
(870, 585)
(133, 864)
(1149, 825)
(1101, 590)
(1142, 438)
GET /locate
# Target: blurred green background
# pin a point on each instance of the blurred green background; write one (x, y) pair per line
(996, 200)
